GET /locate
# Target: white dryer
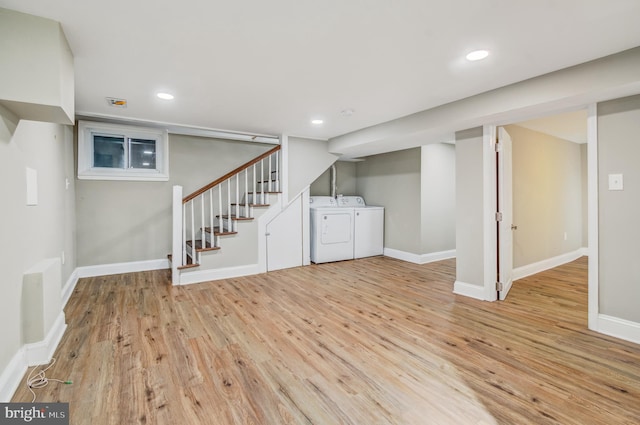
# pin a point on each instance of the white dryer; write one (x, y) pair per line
(368, 226)
(331, 230)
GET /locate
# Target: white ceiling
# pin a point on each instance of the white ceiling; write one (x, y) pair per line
(269, 67)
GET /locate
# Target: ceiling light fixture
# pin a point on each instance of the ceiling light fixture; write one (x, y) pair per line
(317, 122)
(165, 96)
(477, 55)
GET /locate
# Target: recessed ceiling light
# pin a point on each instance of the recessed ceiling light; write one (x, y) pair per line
(477, 55)
(317, 122)
(165, 96)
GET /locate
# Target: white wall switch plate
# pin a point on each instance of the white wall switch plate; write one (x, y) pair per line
(615, 182)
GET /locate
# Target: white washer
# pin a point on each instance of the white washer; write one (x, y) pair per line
(368, 226)
(331, 230)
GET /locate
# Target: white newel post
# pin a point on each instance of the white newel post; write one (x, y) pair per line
(177, 244)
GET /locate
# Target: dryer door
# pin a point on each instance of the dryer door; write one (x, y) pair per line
(336, 228)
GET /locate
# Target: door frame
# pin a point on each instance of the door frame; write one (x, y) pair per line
(489, 133)
(489, 200)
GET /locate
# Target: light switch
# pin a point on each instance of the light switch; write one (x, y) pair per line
(615, 182)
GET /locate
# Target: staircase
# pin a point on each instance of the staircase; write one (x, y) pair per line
(204, 218)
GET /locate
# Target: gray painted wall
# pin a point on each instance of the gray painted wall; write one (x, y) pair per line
(308, 159)
(345, 181)
(619, 232)
(30, 234)
(124, 221)
(547, 196)
(417, 189)
(438, 198)
(469, 207)
(393, 180)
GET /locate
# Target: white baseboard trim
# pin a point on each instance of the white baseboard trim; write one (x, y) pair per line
(117, 268)
(12, 376)
(198, 276)
(584, 251)
(419, 258)
(69, 287)
(619, 328)
(468, 290)
(30, 355)
(549, 263)
(41, 352)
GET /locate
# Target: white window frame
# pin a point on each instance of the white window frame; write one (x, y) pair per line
(86, 170)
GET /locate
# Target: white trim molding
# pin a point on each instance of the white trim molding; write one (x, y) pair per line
(592, 216)
(549, 263)
(199, 276)
(117, 268)
(419, 258)
(68, 288)
(619, 328)
(30, 355)
(41, 352)
(12, 375)
(489, 201)
(469, 290)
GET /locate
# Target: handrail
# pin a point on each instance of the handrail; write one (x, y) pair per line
(229, 174)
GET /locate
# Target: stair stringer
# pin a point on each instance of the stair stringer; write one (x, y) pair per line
(233, 260)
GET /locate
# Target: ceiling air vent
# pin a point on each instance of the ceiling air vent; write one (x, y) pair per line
(117, 103)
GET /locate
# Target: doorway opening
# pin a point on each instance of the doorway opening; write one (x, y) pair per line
(549, 194)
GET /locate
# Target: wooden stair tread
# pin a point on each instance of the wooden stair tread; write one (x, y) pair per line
(252, 205)
(186, 266)
(199, 247)
(235, 218)
(218, 232)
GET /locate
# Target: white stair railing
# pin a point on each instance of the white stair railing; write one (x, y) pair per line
(234, 192)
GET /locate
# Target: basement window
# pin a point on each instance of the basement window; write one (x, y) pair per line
(120, 152)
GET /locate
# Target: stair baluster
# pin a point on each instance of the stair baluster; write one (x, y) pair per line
(189, 225)
(211, 222)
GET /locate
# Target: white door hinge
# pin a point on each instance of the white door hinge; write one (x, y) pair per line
(498, 286)
(498, 146)
(498, 216)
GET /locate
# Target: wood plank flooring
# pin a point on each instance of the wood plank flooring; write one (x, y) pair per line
(371, 341)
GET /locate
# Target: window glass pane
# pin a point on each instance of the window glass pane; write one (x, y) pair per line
(142, 153)
(108, 151)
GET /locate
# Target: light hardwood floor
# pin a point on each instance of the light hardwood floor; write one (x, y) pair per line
(372, 341)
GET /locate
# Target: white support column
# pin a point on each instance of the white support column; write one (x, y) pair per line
(593, 309)
(284, 168)
(489, 136)
(177, 242)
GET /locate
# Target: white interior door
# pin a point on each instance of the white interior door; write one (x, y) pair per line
(505, 208)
